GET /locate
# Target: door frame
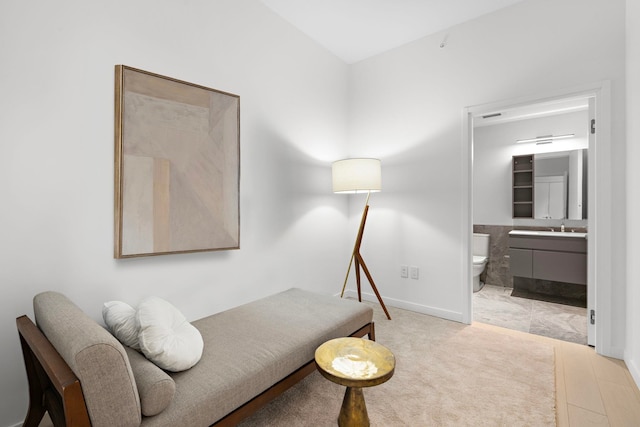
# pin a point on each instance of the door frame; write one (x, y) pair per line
(599, 200)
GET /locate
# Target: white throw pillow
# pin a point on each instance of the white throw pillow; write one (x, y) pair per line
(166, 338)
(121, 321)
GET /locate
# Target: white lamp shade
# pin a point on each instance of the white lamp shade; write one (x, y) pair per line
(356, 175)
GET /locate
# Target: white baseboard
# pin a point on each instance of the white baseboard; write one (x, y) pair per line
(615, 352)
(634, 369)
(406, 305)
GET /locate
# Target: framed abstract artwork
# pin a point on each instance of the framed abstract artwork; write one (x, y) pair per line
(177, 166)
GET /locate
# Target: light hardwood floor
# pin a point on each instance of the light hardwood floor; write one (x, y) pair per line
(591, 390)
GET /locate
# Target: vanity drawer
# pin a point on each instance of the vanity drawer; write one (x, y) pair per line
(521, 262)
(566, 267)
(560, 244)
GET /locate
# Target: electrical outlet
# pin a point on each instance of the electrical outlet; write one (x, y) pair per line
(404, 271)
(415, 271)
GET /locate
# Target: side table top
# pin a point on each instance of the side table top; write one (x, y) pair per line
(355, 362)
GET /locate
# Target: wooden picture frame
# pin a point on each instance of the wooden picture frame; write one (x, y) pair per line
(177, 166)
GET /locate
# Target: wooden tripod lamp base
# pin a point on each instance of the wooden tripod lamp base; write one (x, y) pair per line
(359, 263)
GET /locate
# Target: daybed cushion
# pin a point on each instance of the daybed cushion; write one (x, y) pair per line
(251, 347)
(120, 319)
(95, 356)
(165, 336)
(155, 387)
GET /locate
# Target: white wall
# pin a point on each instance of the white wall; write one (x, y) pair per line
(56, 157)
(493, 148)
(407, 109)
(632, 353)
(56, 150)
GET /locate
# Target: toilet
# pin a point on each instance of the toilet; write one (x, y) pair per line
(480, 258)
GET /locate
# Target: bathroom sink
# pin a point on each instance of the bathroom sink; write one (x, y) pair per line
(547, 233)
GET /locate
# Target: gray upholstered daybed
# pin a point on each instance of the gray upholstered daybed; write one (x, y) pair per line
(82, 375)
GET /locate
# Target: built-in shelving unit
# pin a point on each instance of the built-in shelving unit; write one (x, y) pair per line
(523, 186)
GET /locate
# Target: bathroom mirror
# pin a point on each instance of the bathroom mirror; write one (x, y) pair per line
(560, 185)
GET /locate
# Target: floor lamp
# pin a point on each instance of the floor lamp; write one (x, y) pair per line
(358, 176)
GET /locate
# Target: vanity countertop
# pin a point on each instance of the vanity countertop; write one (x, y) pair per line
(542, 233)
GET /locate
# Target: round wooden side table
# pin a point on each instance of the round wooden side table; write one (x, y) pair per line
(354, 363)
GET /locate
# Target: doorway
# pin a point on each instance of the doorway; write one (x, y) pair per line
(598, 215)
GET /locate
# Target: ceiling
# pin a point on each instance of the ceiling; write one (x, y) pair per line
(357, 29)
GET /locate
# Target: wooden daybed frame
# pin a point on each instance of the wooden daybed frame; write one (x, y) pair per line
(54, 388)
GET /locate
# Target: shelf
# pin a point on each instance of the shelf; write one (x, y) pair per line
(522, 184)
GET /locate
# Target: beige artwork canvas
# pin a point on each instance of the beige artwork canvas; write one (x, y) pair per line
(177, 166)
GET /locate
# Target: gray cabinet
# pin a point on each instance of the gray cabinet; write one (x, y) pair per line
(557, 259)
(569, 267)
(521, 262)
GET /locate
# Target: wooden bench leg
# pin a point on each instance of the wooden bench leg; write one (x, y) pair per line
(36, 387)
(34, 416)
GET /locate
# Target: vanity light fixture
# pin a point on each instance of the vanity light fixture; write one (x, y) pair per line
(545, 139)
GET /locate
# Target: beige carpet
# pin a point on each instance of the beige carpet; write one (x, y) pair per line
(447, 374)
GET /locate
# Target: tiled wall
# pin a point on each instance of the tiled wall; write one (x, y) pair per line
(560, 292)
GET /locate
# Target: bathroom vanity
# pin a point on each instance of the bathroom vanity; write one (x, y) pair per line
(549, 255)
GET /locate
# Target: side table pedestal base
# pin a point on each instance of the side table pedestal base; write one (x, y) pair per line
(354, 411)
